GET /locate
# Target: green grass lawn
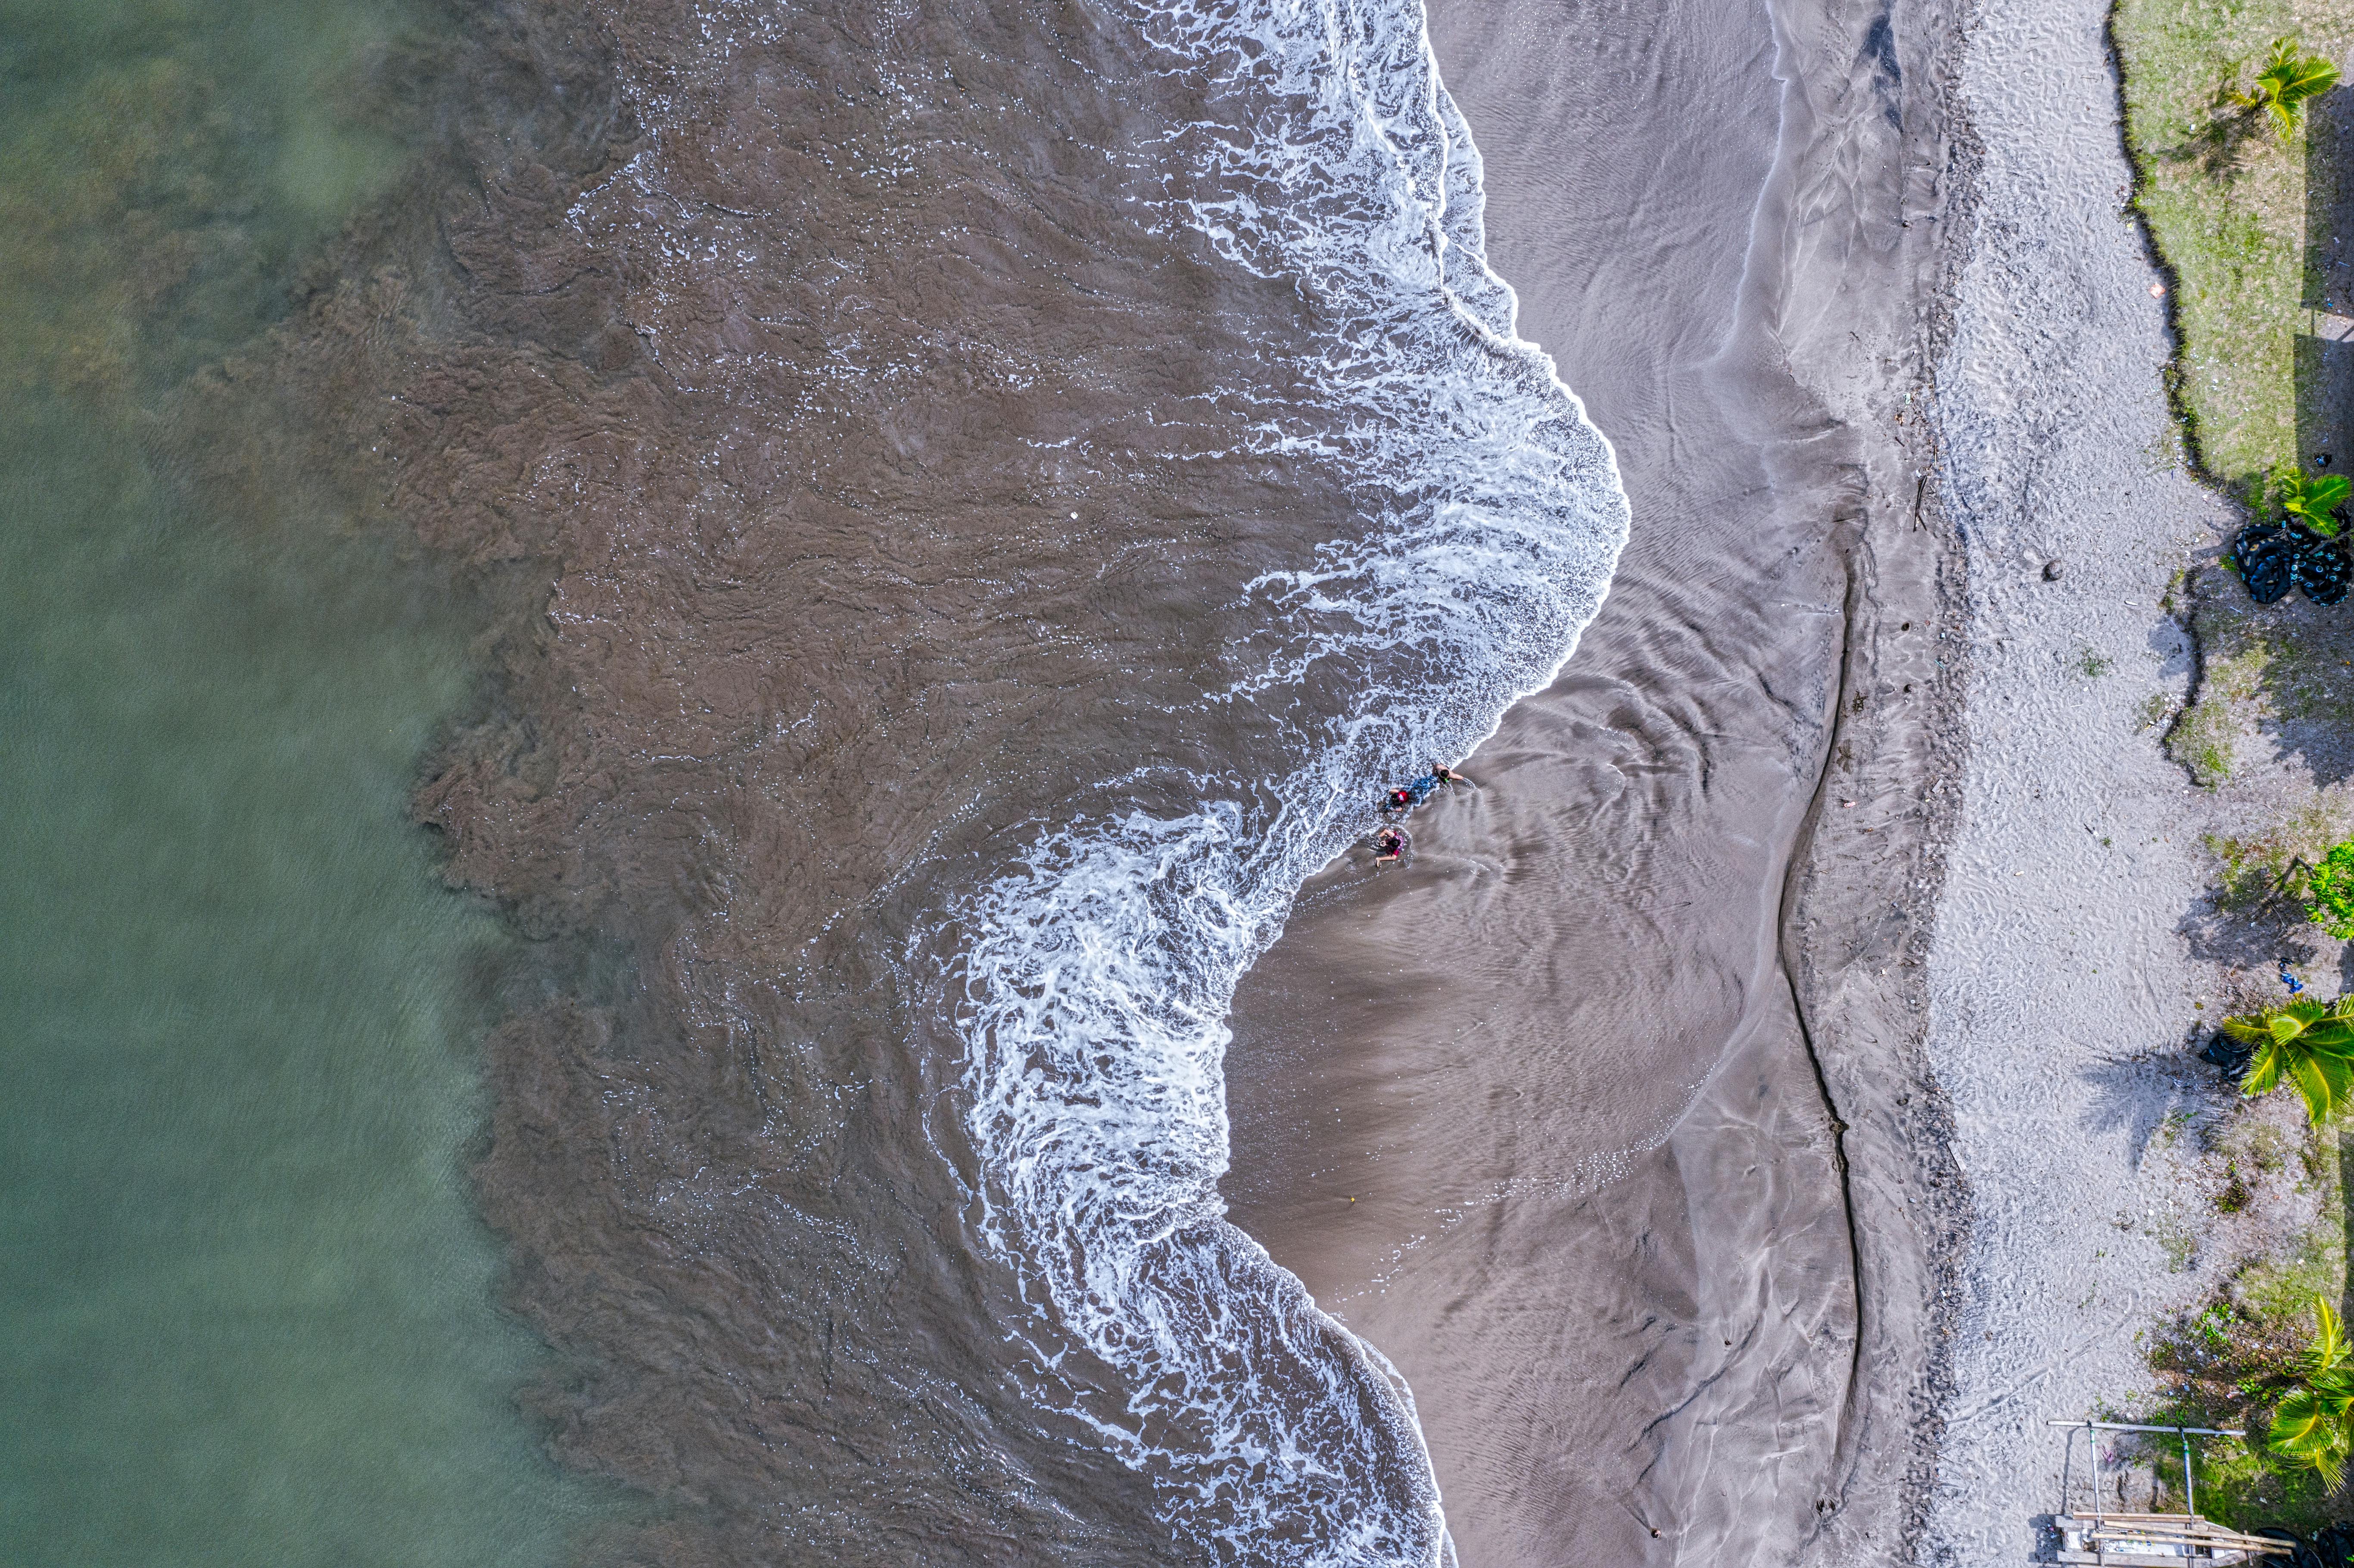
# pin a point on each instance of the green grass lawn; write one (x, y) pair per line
(2249, 224)
(2226, 200)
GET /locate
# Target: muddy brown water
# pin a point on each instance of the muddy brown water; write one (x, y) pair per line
(989, 495)
(985, 494)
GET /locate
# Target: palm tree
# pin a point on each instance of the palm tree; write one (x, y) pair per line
(2315, 500)
(2289, 78)
(2310, 1043)
(2315, 1423)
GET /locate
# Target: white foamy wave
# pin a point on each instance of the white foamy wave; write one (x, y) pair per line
(1098, 972)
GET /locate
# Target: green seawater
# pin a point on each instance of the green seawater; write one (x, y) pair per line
(248, 1314)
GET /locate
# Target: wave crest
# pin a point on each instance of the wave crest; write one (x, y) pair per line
(1099, 969)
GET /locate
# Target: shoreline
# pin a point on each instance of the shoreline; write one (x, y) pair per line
(1708, 1052)
(1625, 1260)
(692, 1153)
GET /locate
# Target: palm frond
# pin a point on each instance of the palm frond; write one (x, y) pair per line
(2306, 1429)
(2327, 1353)
(2287, 81)
(2309, 78)
(2314, 1424)
(2264, 1074)
(2290, 1018)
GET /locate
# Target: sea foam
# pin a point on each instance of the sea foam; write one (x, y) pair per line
(1099, 969)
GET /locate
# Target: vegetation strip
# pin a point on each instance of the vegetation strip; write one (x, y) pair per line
(2237, 147)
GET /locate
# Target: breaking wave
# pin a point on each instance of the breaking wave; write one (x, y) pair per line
(1095, 974)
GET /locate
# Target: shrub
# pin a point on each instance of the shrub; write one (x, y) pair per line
(2315, 1423)
(2315, 501)
(2329, 893)
(2289, 79)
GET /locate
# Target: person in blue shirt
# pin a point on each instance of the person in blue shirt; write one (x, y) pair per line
(1406, 797)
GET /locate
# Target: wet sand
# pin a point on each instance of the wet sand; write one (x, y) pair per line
(1606, 1118)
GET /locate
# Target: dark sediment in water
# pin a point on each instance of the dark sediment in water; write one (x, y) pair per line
(887, 454)
(1608, 1121)
(702, 1184)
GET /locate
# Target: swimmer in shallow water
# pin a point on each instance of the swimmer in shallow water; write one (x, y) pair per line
(1390, 846)
(1449, 777)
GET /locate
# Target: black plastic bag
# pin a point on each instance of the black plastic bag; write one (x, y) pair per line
(2303, 1556)
(2265, 555)
(2320, 569)
(2231, 1055)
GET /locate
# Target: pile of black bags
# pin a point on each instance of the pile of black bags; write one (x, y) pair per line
(2273, 557)
(2330, 1547)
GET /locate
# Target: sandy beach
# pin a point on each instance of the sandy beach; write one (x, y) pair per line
(1611, 1126)
(1842, 932)
(2066, 984)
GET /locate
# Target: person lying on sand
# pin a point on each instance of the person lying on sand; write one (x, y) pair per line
(1390, 846)
(1406, 797)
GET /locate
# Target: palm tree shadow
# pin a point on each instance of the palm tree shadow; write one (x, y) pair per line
(2139, 1094)
(2221, 140)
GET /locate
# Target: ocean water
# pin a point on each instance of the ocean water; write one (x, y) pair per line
(247, 1310)
(999, 486)
(1097, 980)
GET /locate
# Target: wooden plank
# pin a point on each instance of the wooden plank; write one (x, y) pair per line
(2174, 1528)
(2132, 1560)
(2126, 1551)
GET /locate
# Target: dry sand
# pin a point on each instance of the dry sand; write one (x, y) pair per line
(2063, 982)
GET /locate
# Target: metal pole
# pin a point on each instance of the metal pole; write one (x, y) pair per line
(2093, 1441)
(2131, 1427)
(2189, 1487)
